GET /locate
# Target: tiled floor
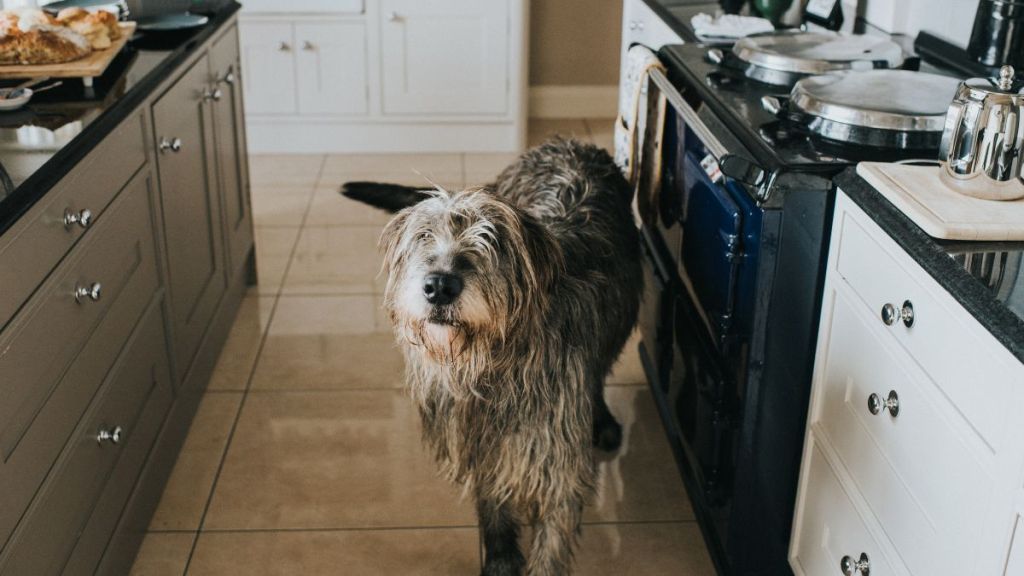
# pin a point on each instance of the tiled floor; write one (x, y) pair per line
(305, 457)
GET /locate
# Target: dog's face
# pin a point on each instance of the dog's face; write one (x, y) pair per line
(462, 270)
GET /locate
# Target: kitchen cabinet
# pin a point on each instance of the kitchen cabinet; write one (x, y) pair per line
(393, 76)
(912, 460)
(232, 160)
(447, 57)
(186, 165)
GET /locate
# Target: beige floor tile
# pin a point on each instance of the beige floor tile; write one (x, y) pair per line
(280, 206)
(273, 251)
(540, 129)
(602, 132)
(284, 169)
(336, 260)
(639, 482)
(188, 489)
(365, 553)
(331, 460)
(669, 549)
(163, 554)
(484, 168)
(628, 369)
(243, 345)
(330, 208)
(328, 342)
(390, 163)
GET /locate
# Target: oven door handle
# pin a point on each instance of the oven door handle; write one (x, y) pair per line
(693, 122)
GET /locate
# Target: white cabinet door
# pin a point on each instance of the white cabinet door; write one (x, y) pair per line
(445, 56)
(268, 67)
(331, 62)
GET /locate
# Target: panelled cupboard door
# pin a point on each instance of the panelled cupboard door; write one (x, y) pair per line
(269, 62)
(183, 130)
(232, 164)
(331, 68)
(445, 56)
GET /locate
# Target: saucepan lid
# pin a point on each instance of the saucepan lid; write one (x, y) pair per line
(818, 52)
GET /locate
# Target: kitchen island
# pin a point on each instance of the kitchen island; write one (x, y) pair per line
(126, 240)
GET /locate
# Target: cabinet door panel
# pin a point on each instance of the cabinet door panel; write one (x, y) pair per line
(191, 206)
(232, 164)
(268, 58)
(331, 67)
(445, 56)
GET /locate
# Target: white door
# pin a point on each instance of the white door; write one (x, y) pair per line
(268, 67)
(331, 59)
(445, 56)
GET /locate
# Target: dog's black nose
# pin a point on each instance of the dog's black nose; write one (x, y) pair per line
(441, 289)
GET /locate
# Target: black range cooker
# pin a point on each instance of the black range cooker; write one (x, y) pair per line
(735, 250)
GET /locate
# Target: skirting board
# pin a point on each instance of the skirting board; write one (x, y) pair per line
(574, 101)
(286, 137)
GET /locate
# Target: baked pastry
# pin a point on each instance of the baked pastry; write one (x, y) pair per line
(34, 37)
(100, 27)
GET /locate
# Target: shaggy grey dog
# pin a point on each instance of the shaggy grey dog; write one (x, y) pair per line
(511, 302)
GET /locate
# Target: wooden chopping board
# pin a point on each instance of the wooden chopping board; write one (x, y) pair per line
(920, 193)
(89, 67)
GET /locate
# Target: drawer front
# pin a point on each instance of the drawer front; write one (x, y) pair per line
(918, 474)
(943, 339)
(829, 527)
(36, 246)
(73, 494)
(47, 382)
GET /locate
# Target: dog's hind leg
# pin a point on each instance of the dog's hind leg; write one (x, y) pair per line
(501, 534)
(607, 430)
(554, 536)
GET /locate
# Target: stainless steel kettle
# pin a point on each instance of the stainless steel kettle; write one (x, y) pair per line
(983, 139)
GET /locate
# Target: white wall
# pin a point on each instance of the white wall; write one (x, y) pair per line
(951, 19)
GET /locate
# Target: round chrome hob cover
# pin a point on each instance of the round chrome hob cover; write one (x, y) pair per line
(818, 52)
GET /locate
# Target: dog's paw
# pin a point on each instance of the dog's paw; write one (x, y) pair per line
(504, 565)
(608, 435)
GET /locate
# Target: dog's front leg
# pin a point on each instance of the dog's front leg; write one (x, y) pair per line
(501, 534)
(553, 539)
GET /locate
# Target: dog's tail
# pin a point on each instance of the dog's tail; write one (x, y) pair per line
(388, 197)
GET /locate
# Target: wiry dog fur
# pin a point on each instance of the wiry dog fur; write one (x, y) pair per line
(509, 376)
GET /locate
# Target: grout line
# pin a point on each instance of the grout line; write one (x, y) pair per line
(340, 529)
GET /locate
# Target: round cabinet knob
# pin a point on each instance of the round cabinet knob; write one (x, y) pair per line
(907, 313)
(113, 436)
(284, 47)
(394, 17)
(889, 314)
(90, 292)
(228, 78)
(308, 46)
(640, 25)
(851, 567)
(172, 144)
(212, 94)
(632, 24)
(891, 403)
(83, 218)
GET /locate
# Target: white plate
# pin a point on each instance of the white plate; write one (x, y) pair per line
(6, 105)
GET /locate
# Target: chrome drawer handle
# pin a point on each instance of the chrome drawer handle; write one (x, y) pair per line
(394, 16)
(113, 436)
(308, 46)
(890, 314)
(212, 94)
(92, 292)
(284, 47)
(891, 403)
(174, 145)
(850, 567)
(83, 218)
(228, 78)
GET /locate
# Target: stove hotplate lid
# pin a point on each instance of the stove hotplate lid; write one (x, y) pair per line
(794, 51)
(878, 99)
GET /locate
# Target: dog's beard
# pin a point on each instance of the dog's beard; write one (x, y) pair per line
(441, 336)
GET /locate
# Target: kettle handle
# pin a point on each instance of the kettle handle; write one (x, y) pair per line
(951, 129)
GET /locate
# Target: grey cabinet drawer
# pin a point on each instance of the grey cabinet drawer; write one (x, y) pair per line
(86, 491)
(55, 353)
(38, 243)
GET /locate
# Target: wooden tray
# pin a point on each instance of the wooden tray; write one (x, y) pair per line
(920, 193)
(89, 67)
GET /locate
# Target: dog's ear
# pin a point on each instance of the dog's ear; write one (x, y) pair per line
(388, 197)
(546, 259)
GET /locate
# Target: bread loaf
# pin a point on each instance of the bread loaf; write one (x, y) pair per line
(34, 37)
(100, 28)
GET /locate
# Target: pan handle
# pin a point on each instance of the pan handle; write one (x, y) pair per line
(772, 104)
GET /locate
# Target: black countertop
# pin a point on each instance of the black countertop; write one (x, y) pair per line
(1000, 310)
(677, 14)
(41, 142)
